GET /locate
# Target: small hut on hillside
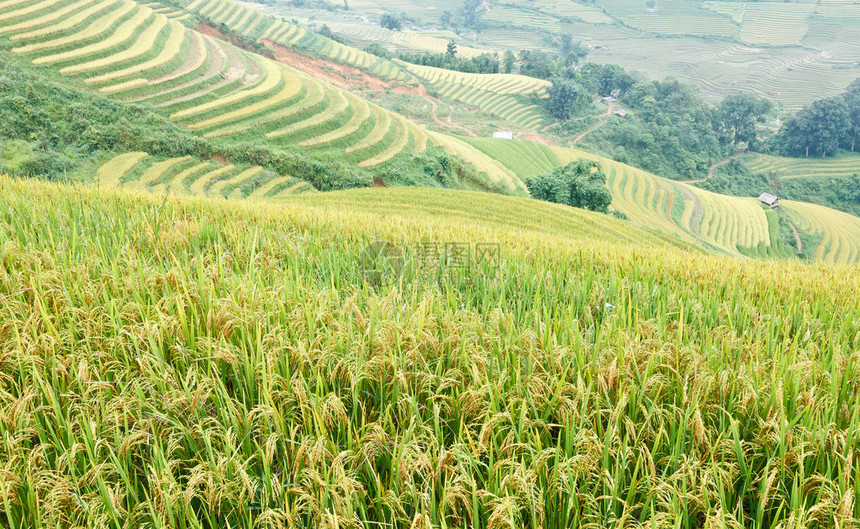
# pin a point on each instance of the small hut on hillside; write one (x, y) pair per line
(769, 200)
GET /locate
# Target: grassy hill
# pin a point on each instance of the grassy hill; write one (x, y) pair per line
(193, 363)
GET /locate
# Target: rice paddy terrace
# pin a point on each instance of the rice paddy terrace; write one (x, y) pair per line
(779, 50)
(136, 53)
(188, 176)
(505, 96)
(789, 168)
(502, 95)
(736, 225)
(256, 25)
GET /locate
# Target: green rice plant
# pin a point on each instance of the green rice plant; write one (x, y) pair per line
(45, 19)
(28, 11)
(291, 87)
(283, 182)
(398, 144)
(200, 185)
(270, 80)
(220, 188)
(338, 104)
(122, 34)
(176, 184)
(154, 172)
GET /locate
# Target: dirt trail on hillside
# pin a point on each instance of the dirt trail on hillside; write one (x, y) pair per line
(714, 168)
(603, 121)
(341, 75)
(698, 211)
(434, 108)
(797, 238)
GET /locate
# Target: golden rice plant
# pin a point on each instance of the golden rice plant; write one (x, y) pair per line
(179, 362)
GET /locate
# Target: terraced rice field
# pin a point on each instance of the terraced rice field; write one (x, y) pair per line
(259, 26)
(432, 44)
(840, 232)
(787, 168)
(670, 18)
(188, 176)
(730, 224)
(522, 17)
(134, 53)
(498, 94)
(587, 13)
(775, 23)
(733, 10)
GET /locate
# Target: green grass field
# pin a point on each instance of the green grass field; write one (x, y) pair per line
(184, 362)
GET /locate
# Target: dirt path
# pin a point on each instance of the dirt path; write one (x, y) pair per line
(698, 209)
(604, 119)
(797, 237)
(714, 168)
(434, 109)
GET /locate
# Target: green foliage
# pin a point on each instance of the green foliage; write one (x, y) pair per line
(389, 21)
(538, 64)
(566, 97)
(816, 130)
(823, 127)
(484, 63)
(740, 115)
(581, 184)
(614, 81)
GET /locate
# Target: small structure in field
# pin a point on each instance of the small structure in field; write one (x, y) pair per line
(769, 200)
(503, 135)
(621, 114)
(608, 99)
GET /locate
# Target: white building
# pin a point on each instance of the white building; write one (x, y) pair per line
(504, 135)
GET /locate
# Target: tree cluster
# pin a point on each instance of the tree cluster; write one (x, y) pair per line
(581, 184)
(484, 63)
(823, 127)
(468, 15)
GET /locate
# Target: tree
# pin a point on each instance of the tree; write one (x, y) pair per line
(570, 51)
(537, 64)
(566, 97)
(452, 49)
(740, 114)
(614, 81)
(469, 14)
(509, 60)
(852, 100)
(389, 21)
(581, 184)
(818, 129)
(446, 18)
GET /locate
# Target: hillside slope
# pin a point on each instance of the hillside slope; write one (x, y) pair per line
(129, 51)
(197, 363)
(735, 225)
